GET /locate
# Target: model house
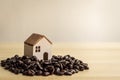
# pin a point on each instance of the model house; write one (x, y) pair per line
(39, 46)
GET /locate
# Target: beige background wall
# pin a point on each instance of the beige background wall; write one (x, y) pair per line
(60, 20)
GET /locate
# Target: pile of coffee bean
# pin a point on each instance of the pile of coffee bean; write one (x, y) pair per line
(30, 66)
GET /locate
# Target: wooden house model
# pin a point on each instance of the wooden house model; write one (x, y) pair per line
(39, 46)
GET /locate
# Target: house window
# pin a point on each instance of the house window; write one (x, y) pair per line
(37, 49)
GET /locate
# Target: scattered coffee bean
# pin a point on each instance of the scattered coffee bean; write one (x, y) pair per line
(58, 65)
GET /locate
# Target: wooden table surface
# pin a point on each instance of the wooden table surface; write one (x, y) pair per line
(103, 60)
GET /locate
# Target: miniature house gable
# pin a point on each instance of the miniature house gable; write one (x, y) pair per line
(42, 49)
(39, 46)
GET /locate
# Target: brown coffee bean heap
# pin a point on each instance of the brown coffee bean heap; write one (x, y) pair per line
(58, 65)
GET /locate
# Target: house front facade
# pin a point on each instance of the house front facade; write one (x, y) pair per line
(39, 46)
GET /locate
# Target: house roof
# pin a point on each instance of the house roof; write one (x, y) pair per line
(34, 38)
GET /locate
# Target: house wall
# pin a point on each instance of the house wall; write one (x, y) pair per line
(28, 50)
(45, 46)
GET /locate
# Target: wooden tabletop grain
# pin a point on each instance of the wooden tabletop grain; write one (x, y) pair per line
(103, 60)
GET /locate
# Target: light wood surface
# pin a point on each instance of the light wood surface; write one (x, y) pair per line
(103, 60)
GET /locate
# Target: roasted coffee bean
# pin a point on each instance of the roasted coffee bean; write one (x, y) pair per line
(50, 68)
(76, 70)
(30, 73)
(57, 65)
(12, 69)
(66, 56)
(45, 69)
(46, 73)
(55, 57)
(30, 66)
(25, 73)
(25, 66)
(73, 71)
(68, 73)
(81, 68)
(27, 61)
(59, 73)
(16, 71)
(6, 66)
(34, 58)
(70, 66)
(72, 58)
(16, 56)
(57, 69)
(61, 66)
(25, 57)
(21, 70)
(85, 66)
(39, 66)
(7, 59)
(20, 62)
(3, 62)
(46, 62)
(76, 67)
(39, 72)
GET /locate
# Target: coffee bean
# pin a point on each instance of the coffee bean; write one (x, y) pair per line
(25, 66)
(85, 66)
(16, 56)
(68, 73)
(34, 58)
(55, 57)
(25, 73)
(39, 66)
(21, 70)
(70, 66)
(20, 62)
(59, 65)
(45, 69)
(8, 59)
(50, 69)
(25, 57)
(60, 73)
(46, 62)
(16, 71)
(39, 72)
(73, 71)
(76, 70)
(76, 67)
(30, 72)
(46, 73)
(12, 69)
(3, 62)
(57, 69)
(27, 61)
(66, 57)
(6, 66)
(81, 69)
(72, 58)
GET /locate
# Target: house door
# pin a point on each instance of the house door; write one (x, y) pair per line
(45, 56)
